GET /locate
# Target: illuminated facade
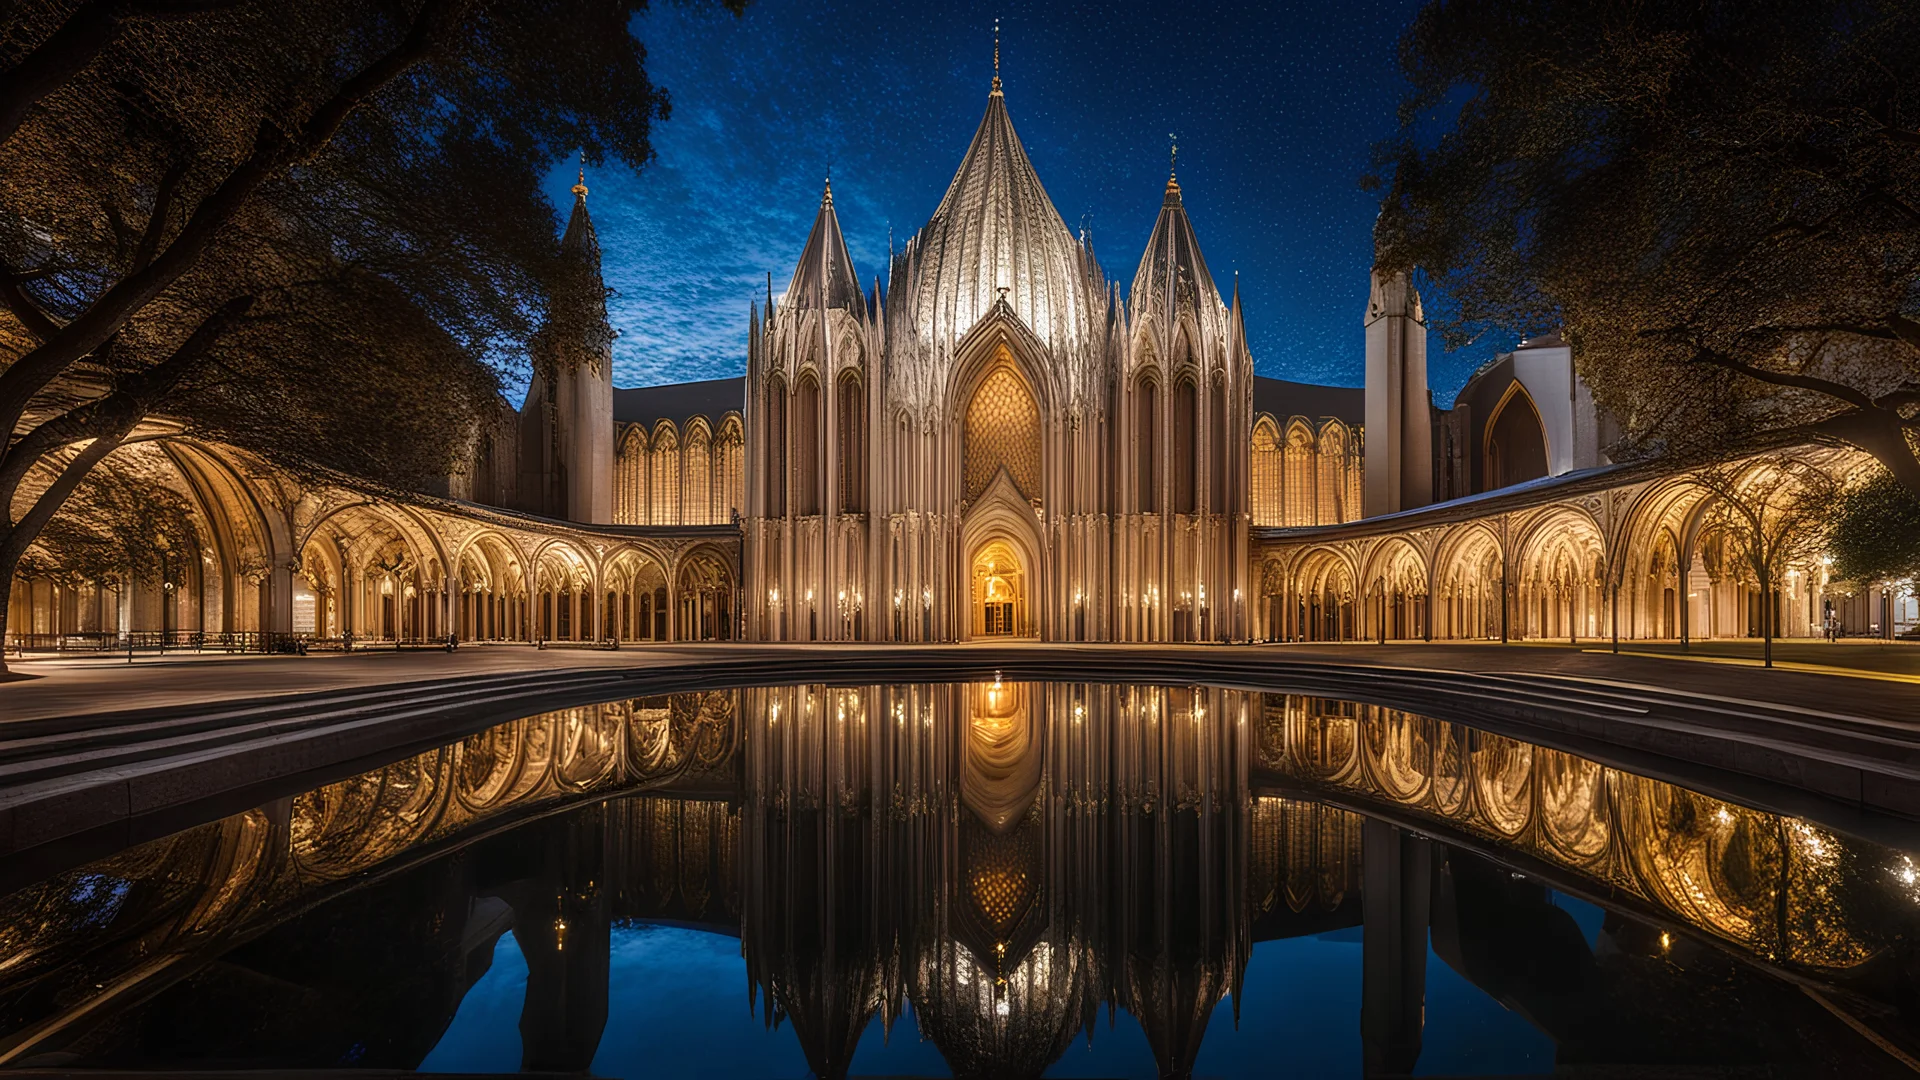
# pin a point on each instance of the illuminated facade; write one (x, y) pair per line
(1002, 443)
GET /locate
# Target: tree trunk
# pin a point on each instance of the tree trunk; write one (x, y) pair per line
(6, 602)
(1766, 621)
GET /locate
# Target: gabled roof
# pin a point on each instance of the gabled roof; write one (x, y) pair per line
(1281, 398)
(825, 259)
(680, 402)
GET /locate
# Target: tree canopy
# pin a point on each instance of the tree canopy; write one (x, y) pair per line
(313, 229)
(1717, 202)
(1874, 532)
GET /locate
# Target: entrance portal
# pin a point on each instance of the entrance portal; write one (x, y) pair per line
(999, 592)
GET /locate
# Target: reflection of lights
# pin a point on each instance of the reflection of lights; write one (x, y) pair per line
(1908, 875)
(559, 934)
(1722, 816)
(773, 715)
(773, 596)
(1079, 713)
(1001, 1008)
(1666, 941)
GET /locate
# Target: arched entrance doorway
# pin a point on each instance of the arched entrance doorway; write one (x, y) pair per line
(999, 607)
(1516, 442)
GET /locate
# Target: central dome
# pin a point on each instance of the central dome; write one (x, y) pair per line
(996, 230)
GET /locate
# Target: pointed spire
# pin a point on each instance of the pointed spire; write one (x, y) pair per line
(824, 276)
(1173, 276)
(996, 54)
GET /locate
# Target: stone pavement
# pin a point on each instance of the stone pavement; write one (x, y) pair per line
(95, 755)
(95, 685)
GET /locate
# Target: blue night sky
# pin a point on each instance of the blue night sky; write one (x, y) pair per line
(1275, 107)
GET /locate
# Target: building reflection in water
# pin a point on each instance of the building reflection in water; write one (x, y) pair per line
(1003, 862)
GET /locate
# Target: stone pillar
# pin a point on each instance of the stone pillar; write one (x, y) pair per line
(1399, 431)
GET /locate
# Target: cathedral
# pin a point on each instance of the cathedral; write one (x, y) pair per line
(1002, 441)
(993, 439)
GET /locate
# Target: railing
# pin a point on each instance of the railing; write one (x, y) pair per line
(159, 641)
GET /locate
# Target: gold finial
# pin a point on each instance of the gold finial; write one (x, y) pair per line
(1173, 154)
(580, 185)
(996, 54)
(827, 198)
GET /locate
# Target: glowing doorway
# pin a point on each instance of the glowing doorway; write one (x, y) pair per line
(999, 592)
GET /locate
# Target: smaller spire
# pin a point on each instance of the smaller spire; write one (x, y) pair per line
(1173, 161)
(826, 197)
(580, 185)
(996, 54)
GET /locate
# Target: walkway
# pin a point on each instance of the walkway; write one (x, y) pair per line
(96, 755)
(1821, 678)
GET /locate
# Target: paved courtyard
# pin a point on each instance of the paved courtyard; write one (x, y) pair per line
(1881, 681)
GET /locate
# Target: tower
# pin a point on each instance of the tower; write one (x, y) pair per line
(1185, 407)
(1399, 430)
(810, 412)
(566, 425)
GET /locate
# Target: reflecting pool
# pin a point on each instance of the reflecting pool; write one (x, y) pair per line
(980, 880)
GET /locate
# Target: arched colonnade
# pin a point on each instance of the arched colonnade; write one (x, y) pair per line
(272, 560)
(1642, 559)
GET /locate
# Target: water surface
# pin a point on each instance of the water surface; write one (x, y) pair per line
(1000, 879)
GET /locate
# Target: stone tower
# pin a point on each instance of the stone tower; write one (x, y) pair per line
(566, 425)
(1399, 430)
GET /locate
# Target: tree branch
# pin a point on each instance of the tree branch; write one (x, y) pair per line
(1881, 435)
(59, 58)
(116, 414)
(163, 196)
(1784, 378)
(23, 532)
(273, 150)
(37, 323)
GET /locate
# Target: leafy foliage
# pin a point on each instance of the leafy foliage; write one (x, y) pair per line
(1771, 513)
(313, 229)
(123, 522)
(1874, 534)
(1718, 202)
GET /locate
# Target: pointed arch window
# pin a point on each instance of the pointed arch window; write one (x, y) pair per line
(1267, 475)
(1186, 458)
(1146, 434)
(1002, 431)
(806, 447)
(697, 478)
(1222, 456)
(853, 445)
(774, 472)
(665, 485)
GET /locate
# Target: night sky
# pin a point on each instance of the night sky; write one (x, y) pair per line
(1275, 107)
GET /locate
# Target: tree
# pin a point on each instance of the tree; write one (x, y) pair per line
(1874, 534)
(1770, 512)
(121, 525)
(310, 228)
(1718, 202)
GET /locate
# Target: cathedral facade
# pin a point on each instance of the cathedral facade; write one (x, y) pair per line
(1003, 442)
(997, 441)
(991, 439)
